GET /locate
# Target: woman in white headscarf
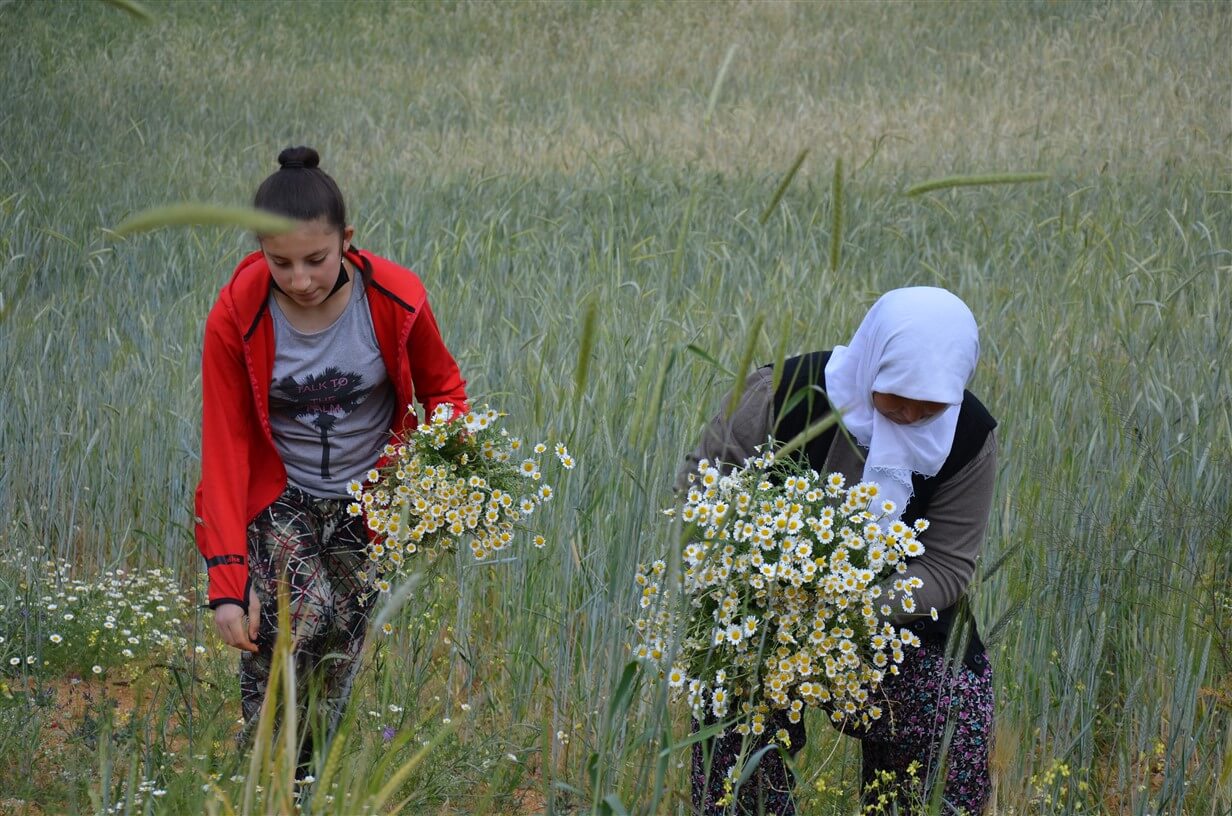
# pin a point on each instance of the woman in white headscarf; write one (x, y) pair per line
(908, 424)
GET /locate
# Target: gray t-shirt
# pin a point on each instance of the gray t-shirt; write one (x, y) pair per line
(331, 402)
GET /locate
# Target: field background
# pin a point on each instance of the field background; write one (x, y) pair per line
(534, 162)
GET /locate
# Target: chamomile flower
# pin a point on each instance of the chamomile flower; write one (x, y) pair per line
(806, 562)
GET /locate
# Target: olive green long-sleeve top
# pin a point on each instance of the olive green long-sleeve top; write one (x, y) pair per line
(957, 516)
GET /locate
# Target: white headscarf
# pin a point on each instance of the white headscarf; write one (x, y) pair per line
(921, 343)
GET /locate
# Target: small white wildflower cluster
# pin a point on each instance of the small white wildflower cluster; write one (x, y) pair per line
(59, 624)
(147, 791)
(784, 596)
(451, 479)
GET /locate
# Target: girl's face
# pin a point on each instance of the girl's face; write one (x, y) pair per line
(304, 262)
(904, 411)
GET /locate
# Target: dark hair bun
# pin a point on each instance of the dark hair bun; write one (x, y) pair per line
(299, 158)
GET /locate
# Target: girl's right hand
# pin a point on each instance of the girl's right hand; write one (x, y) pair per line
(232, 627)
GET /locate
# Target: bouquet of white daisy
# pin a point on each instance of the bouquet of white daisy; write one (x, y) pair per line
(452, 479)
(784, 596)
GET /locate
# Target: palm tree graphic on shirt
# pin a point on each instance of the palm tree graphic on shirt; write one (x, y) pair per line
(323, 399)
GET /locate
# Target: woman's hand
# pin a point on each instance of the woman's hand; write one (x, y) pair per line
(233, 629)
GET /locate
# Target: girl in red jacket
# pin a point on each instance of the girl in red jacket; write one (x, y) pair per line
(313, 354)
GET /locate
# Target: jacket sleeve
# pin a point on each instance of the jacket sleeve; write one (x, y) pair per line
(434, 373)
(957, 524)
(729, 440)
(226, 444)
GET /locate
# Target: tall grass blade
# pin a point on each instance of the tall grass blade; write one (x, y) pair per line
(998, 629)
(746, 360)
(395, 599)
(268, 757)
(782, 188)
(937, 775)
(612, 806)
(704, 733)
(652, 412)
(836, 215)
(678, 255)
(1004, 557)
(623, 693)
(780, 354)
(204, 215)
(290, 704)
(709, 358)
(750, 764)
(585, 348)
(399, 776)
(333, 759)
(975, 181)
(807, 435)
(718, 84)
(133, 7)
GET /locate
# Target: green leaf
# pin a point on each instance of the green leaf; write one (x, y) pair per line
(975, 181)
(205, 215)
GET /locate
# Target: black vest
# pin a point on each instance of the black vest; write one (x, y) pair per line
(800, 401)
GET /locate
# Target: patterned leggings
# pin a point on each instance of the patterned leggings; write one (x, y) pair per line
(929, 694)
(315, 548)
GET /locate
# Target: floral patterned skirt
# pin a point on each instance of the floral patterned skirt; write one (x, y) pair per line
(902, 751)
(767, 792)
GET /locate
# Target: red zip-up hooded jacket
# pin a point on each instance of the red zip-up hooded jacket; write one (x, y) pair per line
(241, 471)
